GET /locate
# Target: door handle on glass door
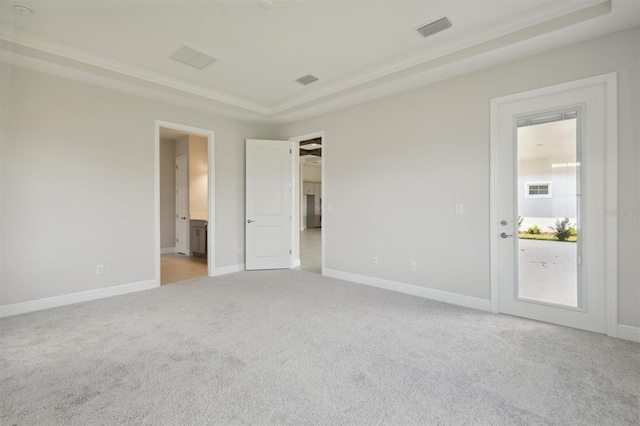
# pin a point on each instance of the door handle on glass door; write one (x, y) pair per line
(505, 235)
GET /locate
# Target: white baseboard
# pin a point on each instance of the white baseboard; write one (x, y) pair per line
(629, 332)
(228, 269)
(68, 299)
(427, 293)
(167, 250)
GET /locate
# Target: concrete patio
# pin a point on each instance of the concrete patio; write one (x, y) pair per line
(548, 271)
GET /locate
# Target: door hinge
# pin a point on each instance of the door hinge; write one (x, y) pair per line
(289, 251)
(290, 152)
(176, 167)
(177, 240)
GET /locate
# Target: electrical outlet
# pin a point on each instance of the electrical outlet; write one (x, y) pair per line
(99, 269)
(413, 266)
(459, 208)
(240, 249)
(374, 261)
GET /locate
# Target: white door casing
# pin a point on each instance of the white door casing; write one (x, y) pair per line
(182, 205)
(595, 99)
(211, 198)
(268, 205)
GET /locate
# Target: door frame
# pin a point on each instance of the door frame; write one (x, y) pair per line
(210, 135)
(609, 81)
(296, 198)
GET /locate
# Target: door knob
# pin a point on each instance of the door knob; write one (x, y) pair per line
(183, 217)
(505, 235)
(250, 221)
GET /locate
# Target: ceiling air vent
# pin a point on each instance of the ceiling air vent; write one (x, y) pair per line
(192, 58)
(434, 27)
(307, 79)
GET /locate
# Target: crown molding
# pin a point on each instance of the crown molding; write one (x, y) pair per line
(68, 52)
(465, 56)
(516, 33)
(110, 82)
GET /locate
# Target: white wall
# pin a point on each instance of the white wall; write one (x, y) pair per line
(312, 173)
(167, 193)
(562, 203)
(77, 164)
(198, 186)
(423, 151)
(77, 177)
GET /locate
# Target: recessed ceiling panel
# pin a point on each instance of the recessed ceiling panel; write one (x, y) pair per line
(262, 52)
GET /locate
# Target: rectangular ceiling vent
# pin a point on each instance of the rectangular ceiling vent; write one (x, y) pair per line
(434, 27)
(192, 58)
(307, 79)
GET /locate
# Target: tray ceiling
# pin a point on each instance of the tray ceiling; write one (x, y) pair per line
(352, 46)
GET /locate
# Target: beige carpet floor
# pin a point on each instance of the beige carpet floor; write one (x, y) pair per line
(291, 347)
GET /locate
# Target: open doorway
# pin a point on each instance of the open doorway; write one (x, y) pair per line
(309, 207)
(185, 205)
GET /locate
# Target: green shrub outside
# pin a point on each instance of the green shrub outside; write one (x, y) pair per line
(562, 229)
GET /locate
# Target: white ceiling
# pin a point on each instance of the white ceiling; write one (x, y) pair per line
(311, 160)
(311, 147)
(555, 141)
(353, 46)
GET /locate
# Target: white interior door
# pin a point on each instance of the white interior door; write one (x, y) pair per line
(268, 206)
(543, 179)
(182, 205)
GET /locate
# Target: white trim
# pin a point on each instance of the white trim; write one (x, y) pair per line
(414, 290)
(477, 46)
(295, 198)
(155, 93)
(520, 38)
(66, 51)
(167, 250)
(610, 82)
(228, 269)
(493, 203)
(211, 228)
(628, 332)
(69, 299)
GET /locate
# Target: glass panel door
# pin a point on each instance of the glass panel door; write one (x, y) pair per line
(548, 206)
